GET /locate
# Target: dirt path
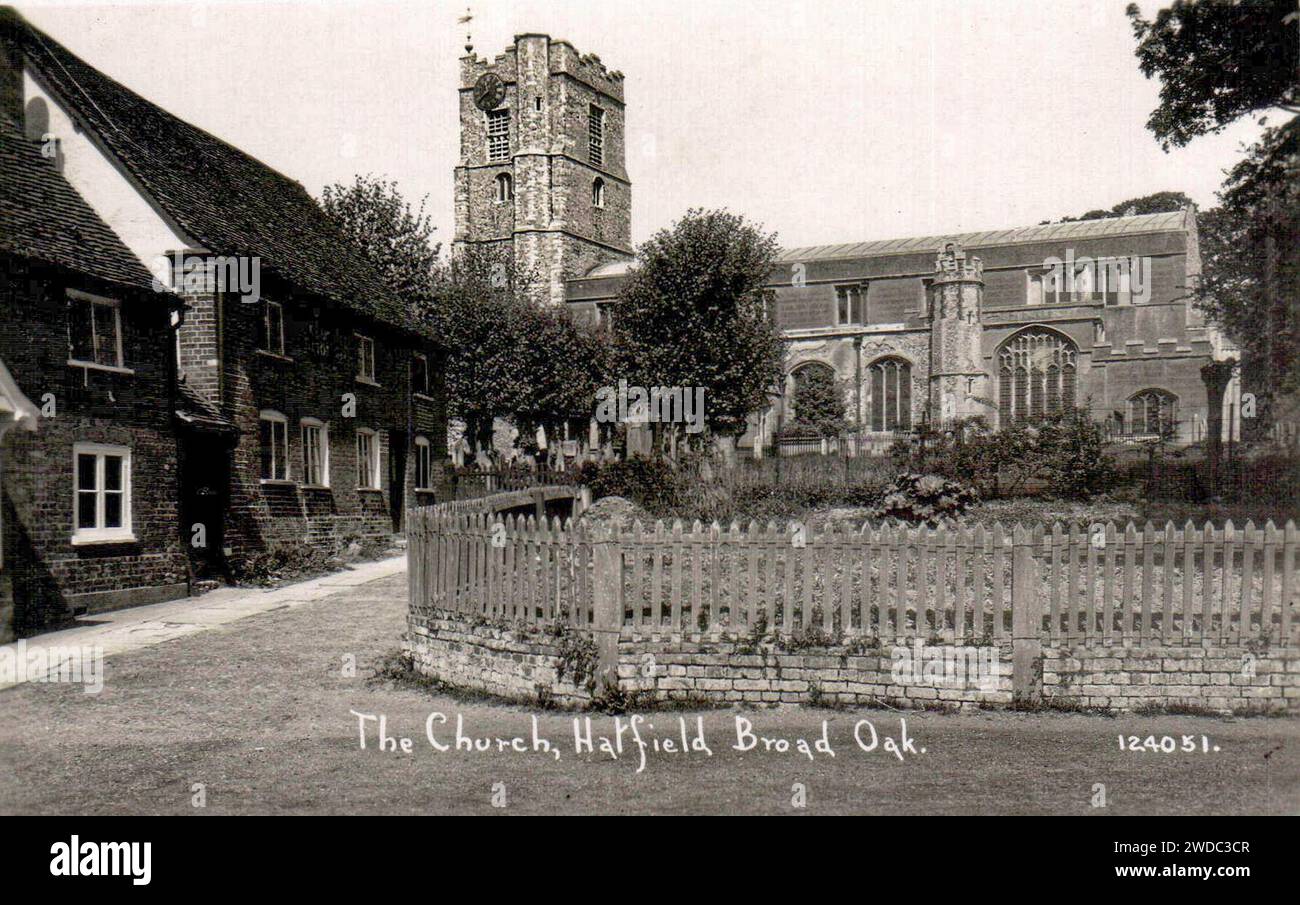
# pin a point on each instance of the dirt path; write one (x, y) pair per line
(258, 713)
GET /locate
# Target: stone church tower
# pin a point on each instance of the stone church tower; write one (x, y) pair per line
(542, 162)
(959, 384)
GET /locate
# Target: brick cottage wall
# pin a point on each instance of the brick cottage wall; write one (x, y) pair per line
(1229, 678)
(52, 579)
(310, 380)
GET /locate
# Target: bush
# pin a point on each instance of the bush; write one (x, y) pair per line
(1063, 454)
(927, 499)
(653, 484)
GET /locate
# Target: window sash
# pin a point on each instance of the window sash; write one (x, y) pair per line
(423, 464)
(101, 492)
(274, 448)
(367, 460)
(365, 357)
(273, 328)
(95, 331)
(315, 456)
(420, 375)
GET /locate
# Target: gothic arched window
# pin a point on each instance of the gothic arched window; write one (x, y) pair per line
(598, 192)
(1037, 375)
(891, 394)
(505, 188)
(1152, 412)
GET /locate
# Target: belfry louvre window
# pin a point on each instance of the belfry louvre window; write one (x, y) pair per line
(498, 134)
(596, 135)
(1037, 376)
(891, 395)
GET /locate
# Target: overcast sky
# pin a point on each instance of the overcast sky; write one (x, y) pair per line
(826, 121)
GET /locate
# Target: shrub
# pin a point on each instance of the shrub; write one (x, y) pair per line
(927, 499)
(1063, 453)
(653, 484)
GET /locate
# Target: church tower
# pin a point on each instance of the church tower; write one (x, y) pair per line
(542, 171)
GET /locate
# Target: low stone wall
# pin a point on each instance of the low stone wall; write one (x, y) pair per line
(703, 667)
(511, 663)
(1218, 678)
(525, 665)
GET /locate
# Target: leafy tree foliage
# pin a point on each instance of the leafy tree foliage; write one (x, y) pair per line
(694, 314)
(1250, 282)
(818, 402)
(1217, 60)
(394, 237)
(1158, 203)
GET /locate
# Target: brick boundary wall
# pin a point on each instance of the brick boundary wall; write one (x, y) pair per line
(523, 665)
(1222, 678)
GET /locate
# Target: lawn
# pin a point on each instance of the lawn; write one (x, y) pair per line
(258, 712)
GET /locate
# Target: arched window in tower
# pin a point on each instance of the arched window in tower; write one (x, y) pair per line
(891, 394)
(1037, 375)
(598, 193)
(505, 188)
(1152, 412)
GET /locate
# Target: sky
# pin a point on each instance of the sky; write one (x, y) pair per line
(827, 121)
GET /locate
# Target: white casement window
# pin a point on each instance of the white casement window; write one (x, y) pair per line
(423, 463)
(498, 135)
(365, 358)
(315, 453)
(505, 188)
(367, 459)
(850, 305)
(273, 327)
(273, 429)
(420, 374)
(94, 330)
(102, 510)
(598, 192)
(596, 135)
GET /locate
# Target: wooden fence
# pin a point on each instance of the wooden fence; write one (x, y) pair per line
(973, 585)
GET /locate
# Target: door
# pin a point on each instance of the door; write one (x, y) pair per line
(397, 477)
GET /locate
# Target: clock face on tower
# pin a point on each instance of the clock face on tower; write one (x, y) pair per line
(489, 91)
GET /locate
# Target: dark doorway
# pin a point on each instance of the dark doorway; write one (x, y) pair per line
(205, 489)
(397, 477)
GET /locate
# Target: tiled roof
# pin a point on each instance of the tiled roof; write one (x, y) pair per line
(43, 218)
(221, 198)
(192, 409)
(1048, 232)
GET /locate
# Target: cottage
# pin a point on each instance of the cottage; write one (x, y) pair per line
(88, 455)
(303, 403)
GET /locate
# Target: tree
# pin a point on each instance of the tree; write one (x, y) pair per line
(1158, 203)
(1217, 60)
(1250, 282)
(818, 401)
(566, 363)
(694, 314)
(396, 239)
